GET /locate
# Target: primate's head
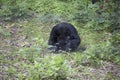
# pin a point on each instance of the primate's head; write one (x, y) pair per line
(62, 43)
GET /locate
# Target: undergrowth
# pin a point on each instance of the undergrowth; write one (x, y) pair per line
(23, 43)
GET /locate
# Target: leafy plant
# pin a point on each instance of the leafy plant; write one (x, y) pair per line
(50, 68)
(11, 9)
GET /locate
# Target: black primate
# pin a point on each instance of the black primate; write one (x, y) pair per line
(64, 37)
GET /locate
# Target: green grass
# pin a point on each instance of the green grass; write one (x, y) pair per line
(30, 59)
(24, 32)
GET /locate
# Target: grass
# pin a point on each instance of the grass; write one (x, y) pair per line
(24, 54)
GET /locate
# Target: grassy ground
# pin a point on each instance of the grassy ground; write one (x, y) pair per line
(24, 54)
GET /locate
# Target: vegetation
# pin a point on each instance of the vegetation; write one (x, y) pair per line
(24, 31)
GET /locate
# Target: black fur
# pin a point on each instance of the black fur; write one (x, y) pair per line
(64, 37)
